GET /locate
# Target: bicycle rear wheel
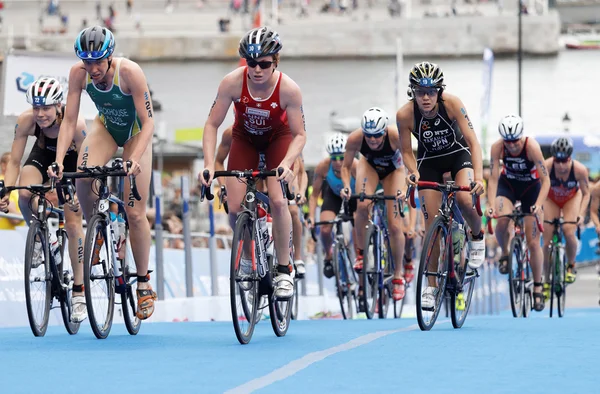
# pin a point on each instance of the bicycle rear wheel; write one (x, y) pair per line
(243, 286)
(527, 284)
(342, 267)
(65, 276)
(295, 299)
(516, 286)
(38, 287)
(98, 277)
(552, 273)
(387, 271)
(432, 274)
(460, 301)
(280, 311)
(128, 295)
(370, 274)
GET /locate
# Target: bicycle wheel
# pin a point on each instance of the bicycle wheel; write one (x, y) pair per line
(432, 274)
(280, 311)
(370, 274)
(65, 275)
(342, 280)
(384, 295)
(98, 277)
(460, 299)
(243, 286)
(552, 273)
(516, 286)
(561, 291)
(128, 295)
(295, 299)
(528, 283)
(38, 287)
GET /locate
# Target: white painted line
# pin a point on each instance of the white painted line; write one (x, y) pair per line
(304, 362)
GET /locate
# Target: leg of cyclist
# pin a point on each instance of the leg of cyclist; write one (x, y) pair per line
(431, 200)
(30, 175)
(504, 205)
(96, 150)
(74, 229)
(570, 212)
(296, 229)
(141, 239)
(367, 180)
(551, 212)
(393, 183)
(536, 256)
(464, 177)
(327, 240)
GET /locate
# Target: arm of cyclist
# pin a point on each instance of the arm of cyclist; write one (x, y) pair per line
(68, 125)
(318, 179)
(595, 206)
(352, 147)
(23, 129)
(495, 167)
(582, 176)
(457, 111)
(216, 116)
(303, 181)
(534, 152)
(405, 123)
(291, 101)
(223, 152)
(134, 77)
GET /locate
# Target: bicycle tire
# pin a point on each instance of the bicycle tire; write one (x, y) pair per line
(66, 277)
(37, 327)
(100, 326)
(247, 313)
(342, 289)
(280, 311)
(552, 271)
(438, 225)
(516, 287)
(528, 302)
(561, 295)
(467, 278)
(384, 295)
(295, 299)
(129, 297)
(370, 276)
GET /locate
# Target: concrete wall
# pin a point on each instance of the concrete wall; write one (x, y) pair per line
(457, 36)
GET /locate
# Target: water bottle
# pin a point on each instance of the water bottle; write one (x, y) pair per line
(458, 239)
(269, 235)
(55, 249)
(122, 227)
(262, 225)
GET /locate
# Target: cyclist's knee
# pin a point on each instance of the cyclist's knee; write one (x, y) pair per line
(569, 230)
(362, 208)
(326, 231)
(278, 206)
(136, 216)
(534, 244)
(395, 229)
(73, 227)
(24, 196)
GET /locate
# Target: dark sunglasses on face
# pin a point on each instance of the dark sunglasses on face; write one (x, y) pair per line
(511, 142)
(563, 160)
(337, 158)
(263, 65)
(421, 92)
(375, 136)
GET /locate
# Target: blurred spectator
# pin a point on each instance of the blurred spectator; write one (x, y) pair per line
(129, 6)
(173, 225)
(111, 11)
(13, 207)
(98, 10)
(84, 23)
(224, 25)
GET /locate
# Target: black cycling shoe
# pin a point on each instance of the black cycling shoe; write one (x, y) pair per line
(328, 269)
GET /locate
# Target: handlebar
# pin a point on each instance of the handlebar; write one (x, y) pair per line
(39, 190)
(512, 216)
(248, 174)
(377, 197)
(560, 222)
(222, 195)
(444, 187)
(116, 170)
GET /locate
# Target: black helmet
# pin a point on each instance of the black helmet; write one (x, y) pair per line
(427, 75)
(562, 148)
(94, 43)
(259, 42)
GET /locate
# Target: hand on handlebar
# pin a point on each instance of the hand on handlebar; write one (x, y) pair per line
(211, 173)
(4, 202)
(55, 170)
(412, 179)
(133, 168)
(477, 188)
(345, 193)
(287, 175)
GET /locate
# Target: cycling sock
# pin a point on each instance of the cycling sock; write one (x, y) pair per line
(78, 288)
(144, 278)
(477, 237)
(284, 269)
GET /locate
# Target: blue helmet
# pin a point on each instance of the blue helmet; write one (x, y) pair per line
(94, 43)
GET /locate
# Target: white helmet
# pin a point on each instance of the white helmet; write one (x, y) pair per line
(511, 127)
(374, 121)
(44, 91)
(336, 144)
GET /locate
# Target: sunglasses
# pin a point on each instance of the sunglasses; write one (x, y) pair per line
(422, 92)
(564, 160)
(511, 142)
(263, 65)
(337, 158)
(374, 136)
(91, 55)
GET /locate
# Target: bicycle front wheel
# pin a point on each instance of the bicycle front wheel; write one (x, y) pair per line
(370, 271)
(38, 287)
(243, 286)
(561, 291)
(341, 265)
(98, 277)
(432, 276)
(516, 285)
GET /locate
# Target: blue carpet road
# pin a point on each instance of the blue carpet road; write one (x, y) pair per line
(496, 354)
